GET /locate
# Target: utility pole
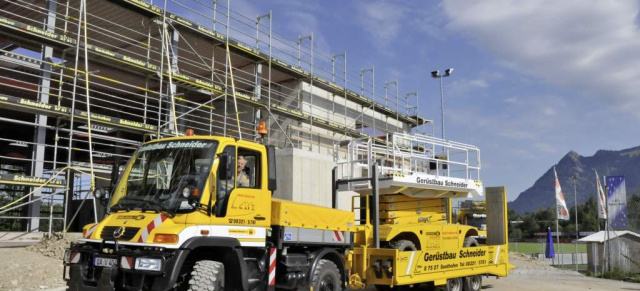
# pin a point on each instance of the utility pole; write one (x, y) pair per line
(437, 75)
(575, 200)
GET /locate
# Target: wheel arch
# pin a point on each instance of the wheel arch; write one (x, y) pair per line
(410, 236)
(471, 232)
(226, 250)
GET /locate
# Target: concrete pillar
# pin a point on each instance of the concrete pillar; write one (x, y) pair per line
(40, 132)
(258, 81)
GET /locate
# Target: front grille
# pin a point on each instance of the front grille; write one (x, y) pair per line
(129, 232)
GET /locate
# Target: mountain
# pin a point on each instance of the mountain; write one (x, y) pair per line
(607, 163)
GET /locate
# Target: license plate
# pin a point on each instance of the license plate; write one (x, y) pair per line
(104, 262)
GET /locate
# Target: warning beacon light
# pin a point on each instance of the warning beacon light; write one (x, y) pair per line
(190, 132)
(262, 128)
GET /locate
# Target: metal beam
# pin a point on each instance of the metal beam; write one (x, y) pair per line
(40, 132)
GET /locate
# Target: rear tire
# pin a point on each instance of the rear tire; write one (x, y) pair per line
(473, 283)
(403, 245)
(207, 276)
(454, 285)
(326, 277)
(470, 242)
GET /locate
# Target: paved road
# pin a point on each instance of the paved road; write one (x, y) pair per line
(545, 280)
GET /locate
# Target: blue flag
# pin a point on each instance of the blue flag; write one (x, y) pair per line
(617, 201)
(549, 253)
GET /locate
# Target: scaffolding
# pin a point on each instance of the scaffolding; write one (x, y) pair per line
(85, 82)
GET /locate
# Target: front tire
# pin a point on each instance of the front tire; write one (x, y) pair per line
(404, 245)
(326, 277)
(470, 242)
(207, 276)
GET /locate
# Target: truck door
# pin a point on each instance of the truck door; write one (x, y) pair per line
(244, 202)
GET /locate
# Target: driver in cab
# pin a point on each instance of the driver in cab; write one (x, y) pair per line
(243, 178)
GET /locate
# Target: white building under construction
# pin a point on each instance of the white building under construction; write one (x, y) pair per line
(143, 69)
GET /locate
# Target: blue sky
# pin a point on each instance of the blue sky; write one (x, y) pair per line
(532, 81)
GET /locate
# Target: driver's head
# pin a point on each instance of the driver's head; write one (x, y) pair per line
(241, 163)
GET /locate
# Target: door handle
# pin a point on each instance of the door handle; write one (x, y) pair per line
(258, 217)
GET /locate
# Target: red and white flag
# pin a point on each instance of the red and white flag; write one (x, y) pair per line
(562, 211)
(602, 203)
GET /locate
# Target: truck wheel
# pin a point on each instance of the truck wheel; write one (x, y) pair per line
(207, 275)
(326, 277)
(470, 242)
(473, 283)
(454, 285)
(403, 245)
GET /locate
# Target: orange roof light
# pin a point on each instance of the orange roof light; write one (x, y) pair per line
(262, 128)
(189, 132)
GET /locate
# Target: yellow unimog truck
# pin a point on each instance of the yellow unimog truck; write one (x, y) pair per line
(474, 213)
(197, 213)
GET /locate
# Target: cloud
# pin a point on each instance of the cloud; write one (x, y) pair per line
(389, 21)
(592, 47)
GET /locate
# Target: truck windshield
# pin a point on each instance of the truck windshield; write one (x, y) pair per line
(161, 171)
(477, 220)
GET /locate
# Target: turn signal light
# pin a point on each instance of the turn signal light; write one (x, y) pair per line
(162, 238)
(262, 128)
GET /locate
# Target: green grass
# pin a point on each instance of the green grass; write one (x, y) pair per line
(532, 248)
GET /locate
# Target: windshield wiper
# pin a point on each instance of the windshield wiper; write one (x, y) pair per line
(152, 204)
(158, 207)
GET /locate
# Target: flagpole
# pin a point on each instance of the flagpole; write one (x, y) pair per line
(558, 236)
(606, 227)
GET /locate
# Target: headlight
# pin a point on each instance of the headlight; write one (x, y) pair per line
(67, 256)
(186, 192)
(148, 264)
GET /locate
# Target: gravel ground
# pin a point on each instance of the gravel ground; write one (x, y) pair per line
(22, 269)
(40, 268)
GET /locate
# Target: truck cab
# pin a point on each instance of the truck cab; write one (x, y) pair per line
(194, 205)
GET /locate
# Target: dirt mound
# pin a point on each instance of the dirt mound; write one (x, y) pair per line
(525, 261)
(53, 246)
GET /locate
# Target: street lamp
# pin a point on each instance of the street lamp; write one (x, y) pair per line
(575, 200)
(437, 75)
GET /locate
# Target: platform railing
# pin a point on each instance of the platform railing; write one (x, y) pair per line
(409, 154)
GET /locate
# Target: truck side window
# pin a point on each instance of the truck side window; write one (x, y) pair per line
(248, 168)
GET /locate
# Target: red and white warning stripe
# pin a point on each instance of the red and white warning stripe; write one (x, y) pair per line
(74, 258)
(90, 231)
(153, 224)
(338, 236)
(272, 267)
(126, 263)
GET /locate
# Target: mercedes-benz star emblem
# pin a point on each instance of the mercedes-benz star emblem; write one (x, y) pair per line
(118, 232)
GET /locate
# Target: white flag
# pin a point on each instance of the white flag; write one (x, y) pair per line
(562, 211)
(602, 203)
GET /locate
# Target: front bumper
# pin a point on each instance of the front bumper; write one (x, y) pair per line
(84, 275)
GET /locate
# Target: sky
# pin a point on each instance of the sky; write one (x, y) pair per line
(533, 80)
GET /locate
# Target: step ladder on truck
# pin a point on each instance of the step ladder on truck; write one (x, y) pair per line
(406, 236)
(197, 213)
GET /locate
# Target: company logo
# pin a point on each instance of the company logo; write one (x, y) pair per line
(134, 217)
(118, 232)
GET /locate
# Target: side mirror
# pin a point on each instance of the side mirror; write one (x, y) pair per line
(224, 168)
